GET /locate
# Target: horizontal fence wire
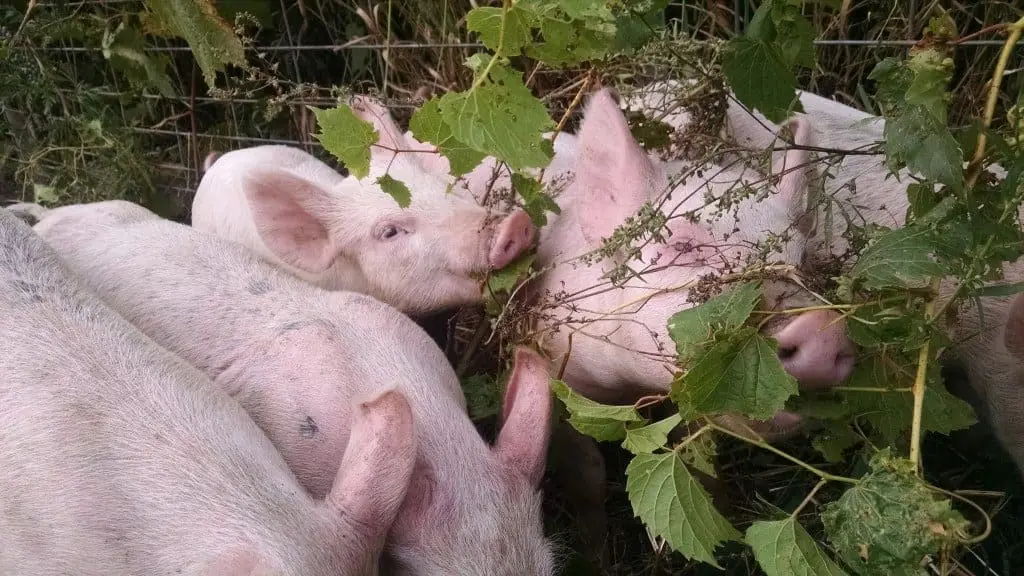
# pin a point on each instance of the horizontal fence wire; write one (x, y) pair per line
(424, 46)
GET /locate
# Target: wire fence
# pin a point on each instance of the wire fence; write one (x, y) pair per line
(184, 126)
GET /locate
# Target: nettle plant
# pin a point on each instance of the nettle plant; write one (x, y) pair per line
(961, 227)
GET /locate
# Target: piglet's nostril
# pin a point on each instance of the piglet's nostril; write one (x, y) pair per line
(787, 352)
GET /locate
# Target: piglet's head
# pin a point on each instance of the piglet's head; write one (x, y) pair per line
(423, 258)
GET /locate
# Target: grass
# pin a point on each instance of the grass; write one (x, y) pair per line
(77, 128)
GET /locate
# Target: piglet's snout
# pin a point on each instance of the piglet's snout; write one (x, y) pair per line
(815, 350)
(514, 236)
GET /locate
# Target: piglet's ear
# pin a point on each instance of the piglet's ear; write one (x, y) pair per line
(288, 212)
(794, 168)
(430, 159)
(1013, 332)
(523, 441)
(375, 471)
(613, 173)
(391, 140)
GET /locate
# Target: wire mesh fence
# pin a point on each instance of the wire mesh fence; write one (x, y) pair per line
(302, 49)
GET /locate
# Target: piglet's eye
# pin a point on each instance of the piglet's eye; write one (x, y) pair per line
(388, 231)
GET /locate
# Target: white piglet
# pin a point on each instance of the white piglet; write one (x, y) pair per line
(620, 347)
(860, 191)
(118, 458)
(342, 233)
(295, 356)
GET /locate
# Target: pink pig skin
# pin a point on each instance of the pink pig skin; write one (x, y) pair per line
(118, 458)
(296, 356)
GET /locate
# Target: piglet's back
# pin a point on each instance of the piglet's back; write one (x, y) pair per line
(118, 458)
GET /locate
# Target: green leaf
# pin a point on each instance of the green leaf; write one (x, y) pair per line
(835, 439)
(740, 374)
(500, 117)
(483, 396)
(891, 413)
(427, 125)
(44, 194)
(604, 423)
(794, 34)
(347, 137)
(396, 189)
(494, 23)
(650, 438)
(784, 548)
(535, 202)
(759, 77)
(125, 49)
(931, 73)
(890, 521)
(899, 258)
(212, 40)
(506, 279)
(693, 328)
(699, 454)
(674, 505)
(926, 146)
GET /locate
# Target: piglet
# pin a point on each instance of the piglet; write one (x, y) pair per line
(620, 348)
(118, 458)
(342, 233)
(296, 356)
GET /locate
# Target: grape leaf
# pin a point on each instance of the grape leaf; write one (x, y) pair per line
(740, 374)
(585, 9)
(347, 137)
(500, 117)
(693, 328)
(699, 454)
(211, 38)
(890, 521)
(396, 189)
(794, 35)
(674, 505)
(567, 43)
(931, 73)
(650, 438)
(535, 202)
(427, 125)
(898, 258)
(784, 548)
(493, 23)
(926, 146)
(759, 77)
(605, 423)
(835, 439)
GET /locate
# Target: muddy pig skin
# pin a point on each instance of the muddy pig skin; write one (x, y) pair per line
(118, 458)
(295, 356)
